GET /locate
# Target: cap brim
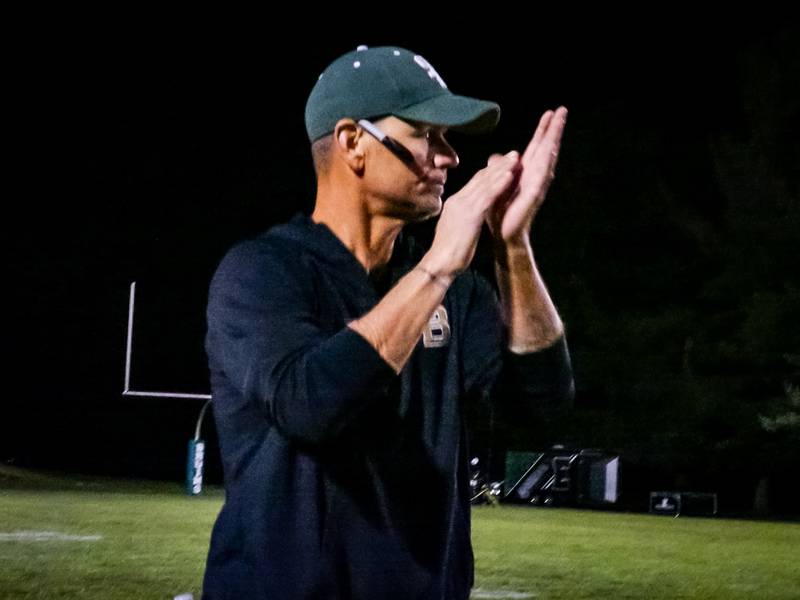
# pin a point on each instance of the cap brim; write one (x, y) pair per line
(459, 113)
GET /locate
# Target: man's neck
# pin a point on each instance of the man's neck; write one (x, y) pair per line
(370, 238)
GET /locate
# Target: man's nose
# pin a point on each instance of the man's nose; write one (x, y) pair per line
(445, 157)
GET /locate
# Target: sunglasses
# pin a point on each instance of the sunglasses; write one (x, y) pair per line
(391, 144)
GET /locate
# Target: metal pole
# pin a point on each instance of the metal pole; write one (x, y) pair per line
(131, 302)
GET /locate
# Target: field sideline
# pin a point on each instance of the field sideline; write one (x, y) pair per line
(93, 538)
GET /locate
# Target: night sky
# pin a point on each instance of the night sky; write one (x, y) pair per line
(145, 160)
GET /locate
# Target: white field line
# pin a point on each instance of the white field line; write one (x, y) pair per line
(499, 594)
(46, 536)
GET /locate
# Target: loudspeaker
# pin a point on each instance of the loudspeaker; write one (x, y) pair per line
(683, 503)
(560, 476)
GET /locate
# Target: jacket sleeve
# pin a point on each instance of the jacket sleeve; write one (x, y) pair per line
(265, 339)
(524, 388)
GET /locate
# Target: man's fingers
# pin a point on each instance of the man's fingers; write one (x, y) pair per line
(500, 183)
(552, 137)
(497, 164)
(544, 122)
(493, 159)
(550, 128)
(493, 181)
(556, 128)
(542, 163)
(490, 183)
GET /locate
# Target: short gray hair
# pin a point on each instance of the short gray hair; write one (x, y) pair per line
(321, 154)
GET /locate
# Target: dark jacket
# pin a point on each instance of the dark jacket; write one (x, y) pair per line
(344, 480)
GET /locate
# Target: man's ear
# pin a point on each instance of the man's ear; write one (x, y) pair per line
(349, 144)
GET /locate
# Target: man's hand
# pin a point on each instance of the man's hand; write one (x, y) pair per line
(464, 213)
(510, 218)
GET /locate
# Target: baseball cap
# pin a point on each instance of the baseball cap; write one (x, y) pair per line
(375, 82)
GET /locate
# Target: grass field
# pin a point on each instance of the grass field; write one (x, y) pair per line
(93, 538)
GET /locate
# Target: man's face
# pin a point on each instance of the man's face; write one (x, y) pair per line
(413, 193)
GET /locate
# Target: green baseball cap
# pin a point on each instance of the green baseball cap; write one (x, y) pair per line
(375, 82)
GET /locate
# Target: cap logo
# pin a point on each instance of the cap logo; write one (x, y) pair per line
(431, 71)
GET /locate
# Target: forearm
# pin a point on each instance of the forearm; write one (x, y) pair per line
(530, 316)
(393, 327)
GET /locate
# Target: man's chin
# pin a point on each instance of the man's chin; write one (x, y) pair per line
(419, 209)
(431, 209)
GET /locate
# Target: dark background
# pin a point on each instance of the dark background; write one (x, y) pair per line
(668, 240)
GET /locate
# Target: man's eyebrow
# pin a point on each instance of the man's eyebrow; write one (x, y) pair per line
(418, 126)
(425, 127)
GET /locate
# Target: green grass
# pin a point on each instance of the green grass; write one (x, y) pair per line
(576, 554)
(155, 540)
